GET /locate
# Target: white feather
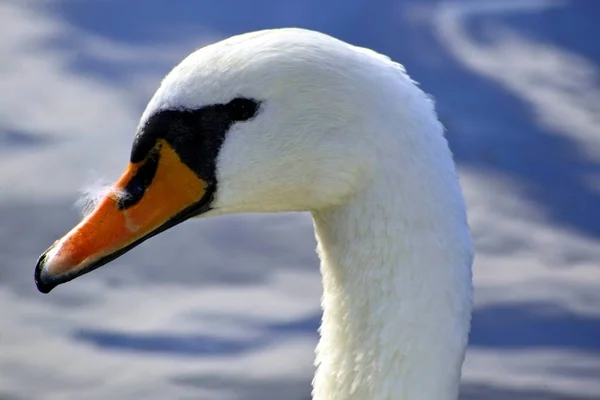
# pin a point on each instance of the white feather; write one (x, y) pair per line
(92, 194)
(343, 132)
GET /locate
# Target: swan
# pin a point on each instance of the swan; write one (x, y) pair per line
(296, 120)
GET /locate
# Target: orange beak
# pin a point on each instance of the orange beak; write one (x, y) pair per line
(150, 197)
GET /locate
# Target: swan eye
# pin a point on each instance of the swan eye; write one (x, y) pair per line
(242, 109)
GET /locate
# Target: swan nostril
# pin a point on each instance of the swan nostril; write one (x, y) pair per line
(139, 183)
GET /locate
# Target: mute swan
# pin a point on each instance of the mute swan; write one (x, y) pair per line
(295, 120)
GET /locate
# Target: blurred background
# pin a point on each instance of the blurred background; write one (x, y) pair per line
(228, 308)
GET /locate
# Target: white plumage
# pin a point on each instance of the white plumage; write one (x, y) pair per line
(347, 135)
(344, 133)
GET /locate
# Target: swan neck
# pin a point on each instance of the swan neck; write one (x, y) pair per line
(396, 266)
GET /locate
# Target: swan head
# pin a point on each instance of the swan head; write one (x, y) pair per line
(280, 120)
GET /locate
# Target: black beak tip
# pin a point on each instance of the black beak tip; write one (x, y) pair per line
(43, 284)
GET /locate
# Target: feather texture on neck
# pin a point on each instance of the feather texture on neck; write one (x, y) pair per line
(396, 263)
